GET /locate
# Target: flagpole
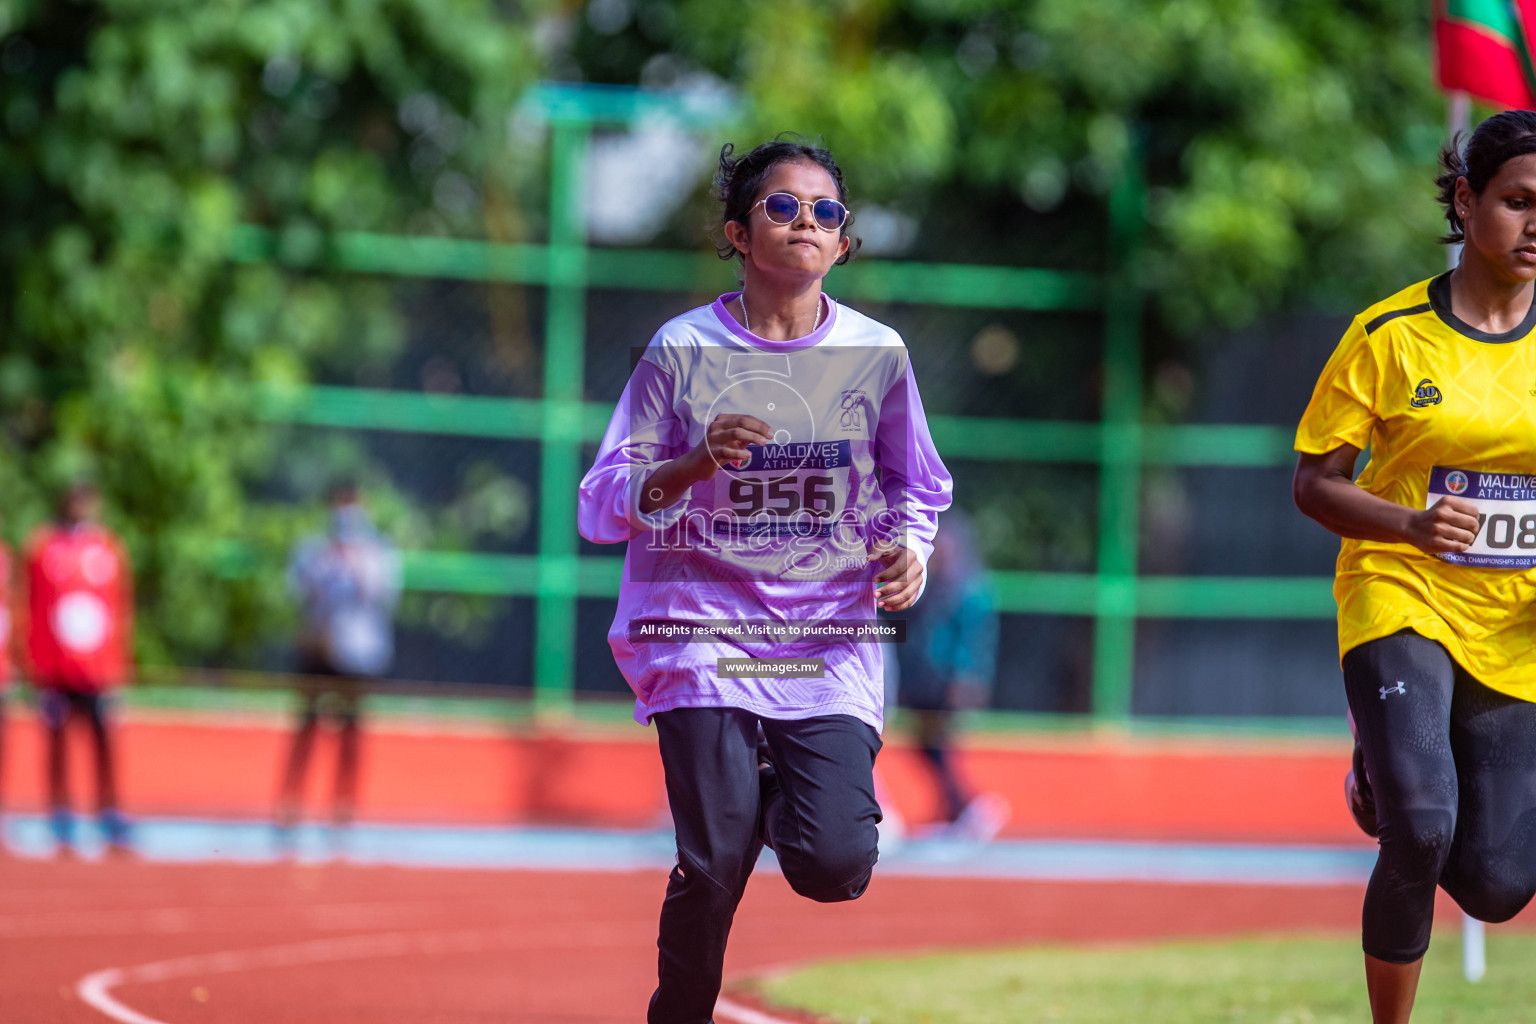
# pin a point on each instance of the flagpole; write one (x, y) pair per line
(1474, 959)
(1458, 121)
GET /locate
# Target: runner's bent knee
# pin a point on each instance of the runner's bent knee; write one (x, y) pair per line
(834, 869)
(1494, 898)
(1417, 840)
(1491, 882)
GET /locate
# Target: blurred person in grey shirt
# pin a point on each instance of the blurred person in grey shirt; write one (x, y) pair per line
(347, 582)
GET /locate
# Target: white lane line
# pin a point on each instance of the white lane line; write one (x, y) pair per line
(728, 1011)
(95, 989)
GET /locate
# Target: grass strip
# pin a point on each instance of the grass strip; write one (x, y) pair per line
(1289, 980)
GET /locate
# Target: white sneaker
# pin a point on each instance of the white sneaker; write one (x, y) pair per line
(893, 827)
(982, 819)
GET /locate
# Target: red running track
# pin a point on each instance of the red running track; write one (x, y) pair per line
(340, 944)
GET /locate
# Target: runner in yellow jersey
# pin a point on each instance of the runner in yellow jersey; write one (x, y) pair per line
(1436, 582)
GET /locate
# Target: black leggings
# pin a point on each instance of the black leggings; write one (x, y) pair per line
(818, 812)
(324, 692)
(1452, 766)
(58, 706)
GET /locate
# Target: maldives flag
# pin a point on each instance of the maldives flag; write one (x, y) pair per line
(1483, 47)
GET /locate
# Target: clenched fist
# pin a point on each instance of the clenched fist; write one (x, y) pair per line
(1450, 524)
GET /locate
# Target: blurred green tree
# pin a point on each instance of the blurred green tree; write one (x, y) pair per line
(1287, 143)
(139, 133)
(1288, 148)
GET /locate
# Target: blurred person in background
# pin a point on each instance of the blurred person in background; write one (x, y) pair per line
(347, 582)
(7, 655)
(79, 630)
(946, 665)
(677, 478)
(1436, 581)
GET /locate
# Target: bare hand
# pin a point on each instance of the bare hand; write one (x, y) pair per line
(897, 585)
(1450, 524)
(726, 440)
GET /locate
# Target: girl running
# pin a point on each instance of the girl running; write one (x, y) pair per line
(1436, 580)
(770, 465)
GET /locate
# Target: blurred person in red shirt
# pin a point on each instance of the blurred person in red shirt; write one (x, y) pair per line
(7, 662)
(78, 634)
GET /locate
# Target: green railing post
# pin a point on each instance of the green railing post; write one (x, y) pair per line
(565, 329)
(1114, 632)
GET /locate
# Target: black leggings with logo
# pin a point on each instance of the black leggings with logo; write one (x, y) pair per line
(1452, 767)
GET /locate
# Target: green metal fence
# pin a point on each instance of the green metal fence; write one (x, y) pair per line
(1120, 444)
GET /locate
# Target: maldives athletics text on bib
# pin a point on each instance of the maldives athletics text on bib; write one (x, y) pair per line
(1506, 516)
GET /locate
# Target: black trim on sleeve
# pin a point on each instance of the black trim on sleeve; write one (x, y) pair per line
(1440, 299)
(1393, 314)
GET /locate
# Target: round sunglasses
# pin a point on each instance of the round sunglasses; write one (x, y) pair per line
(783, 208)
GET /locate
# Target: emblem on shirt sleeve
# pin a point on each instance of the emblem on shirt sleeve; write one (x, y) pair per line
(1425, 393)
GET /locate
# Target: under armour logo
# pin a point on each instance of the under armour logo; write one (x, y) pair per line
(1401, 687)
(1425, 393)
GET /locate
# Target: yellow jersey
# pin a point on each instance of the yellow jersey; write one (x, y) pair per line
(1444, 409)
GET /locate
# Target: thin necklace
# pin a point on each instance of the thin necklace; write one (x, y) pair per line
(746, 321)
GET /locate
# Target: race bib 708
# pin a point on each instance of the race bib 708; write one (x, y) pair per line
(1506, 515)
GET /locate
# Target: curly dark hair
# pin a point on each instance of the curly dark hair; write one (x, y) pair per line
(739, 178)
(1493, 143)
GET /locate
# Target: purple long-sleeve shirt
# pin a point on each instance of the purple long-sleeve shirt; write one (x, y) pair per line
(783, 539)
